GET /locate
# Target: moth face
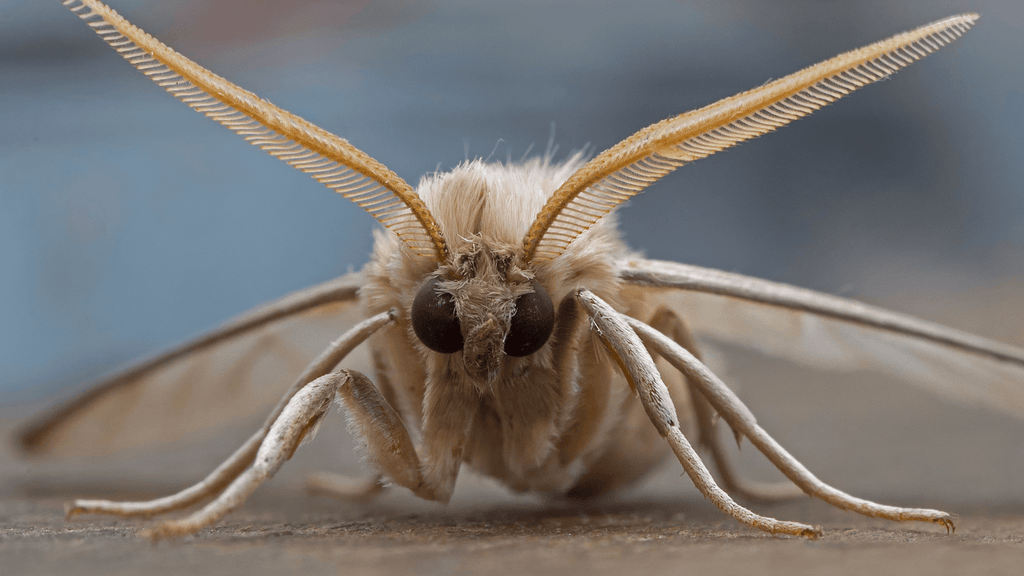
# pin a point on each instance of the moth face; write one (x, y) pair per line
(484, 306)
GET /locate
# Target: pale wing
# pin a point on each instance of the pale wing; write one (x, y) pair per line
(237, 372)
(835, 333)
(330, 160)
(632, 165)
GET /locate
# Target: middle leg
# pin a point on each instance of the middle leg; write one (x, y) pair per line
(639, 368)
(669, 323)
(743, 422)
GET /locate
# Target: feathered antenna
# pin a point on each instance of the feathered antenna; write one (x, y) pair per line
(638, 161)
(329, 159)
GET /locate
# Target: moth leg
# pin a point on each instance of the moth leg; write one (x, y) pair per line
(375, 423)
(236, 464)
(429, 472)
(669, 323)
(301, 415)
(202, 490)
(743, 422)
(356, 490)
(384, 438)
(639, 368)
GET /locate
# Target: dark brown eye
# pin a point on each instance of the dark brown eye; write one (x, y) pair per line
(434, 319)
(531, 324)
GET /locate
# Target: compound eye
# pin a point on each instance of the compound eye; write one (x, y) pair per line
(434, 319)
(531, 324)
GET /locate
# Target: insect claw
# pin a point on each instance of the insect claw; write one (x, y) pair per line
(71, 510)
(164, 531)
(794, 529)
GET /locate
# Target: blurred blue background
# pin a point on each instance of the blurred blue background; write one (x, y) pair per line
(129, 223)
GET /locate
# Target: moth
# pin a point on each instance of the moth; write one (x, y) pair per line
(509, 328)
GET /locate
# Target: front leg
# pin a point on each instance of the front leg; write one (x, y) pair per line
(381, 433)
(448, 409)
(450, 403)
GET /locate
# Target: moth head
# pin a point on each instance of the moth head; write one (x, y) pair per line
(484, 306)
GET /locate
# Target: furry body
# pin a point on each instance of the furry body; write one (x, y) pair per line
(562, 420)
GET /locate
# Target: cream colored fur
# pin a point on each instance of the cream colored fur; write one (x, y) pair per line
(541, 421)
